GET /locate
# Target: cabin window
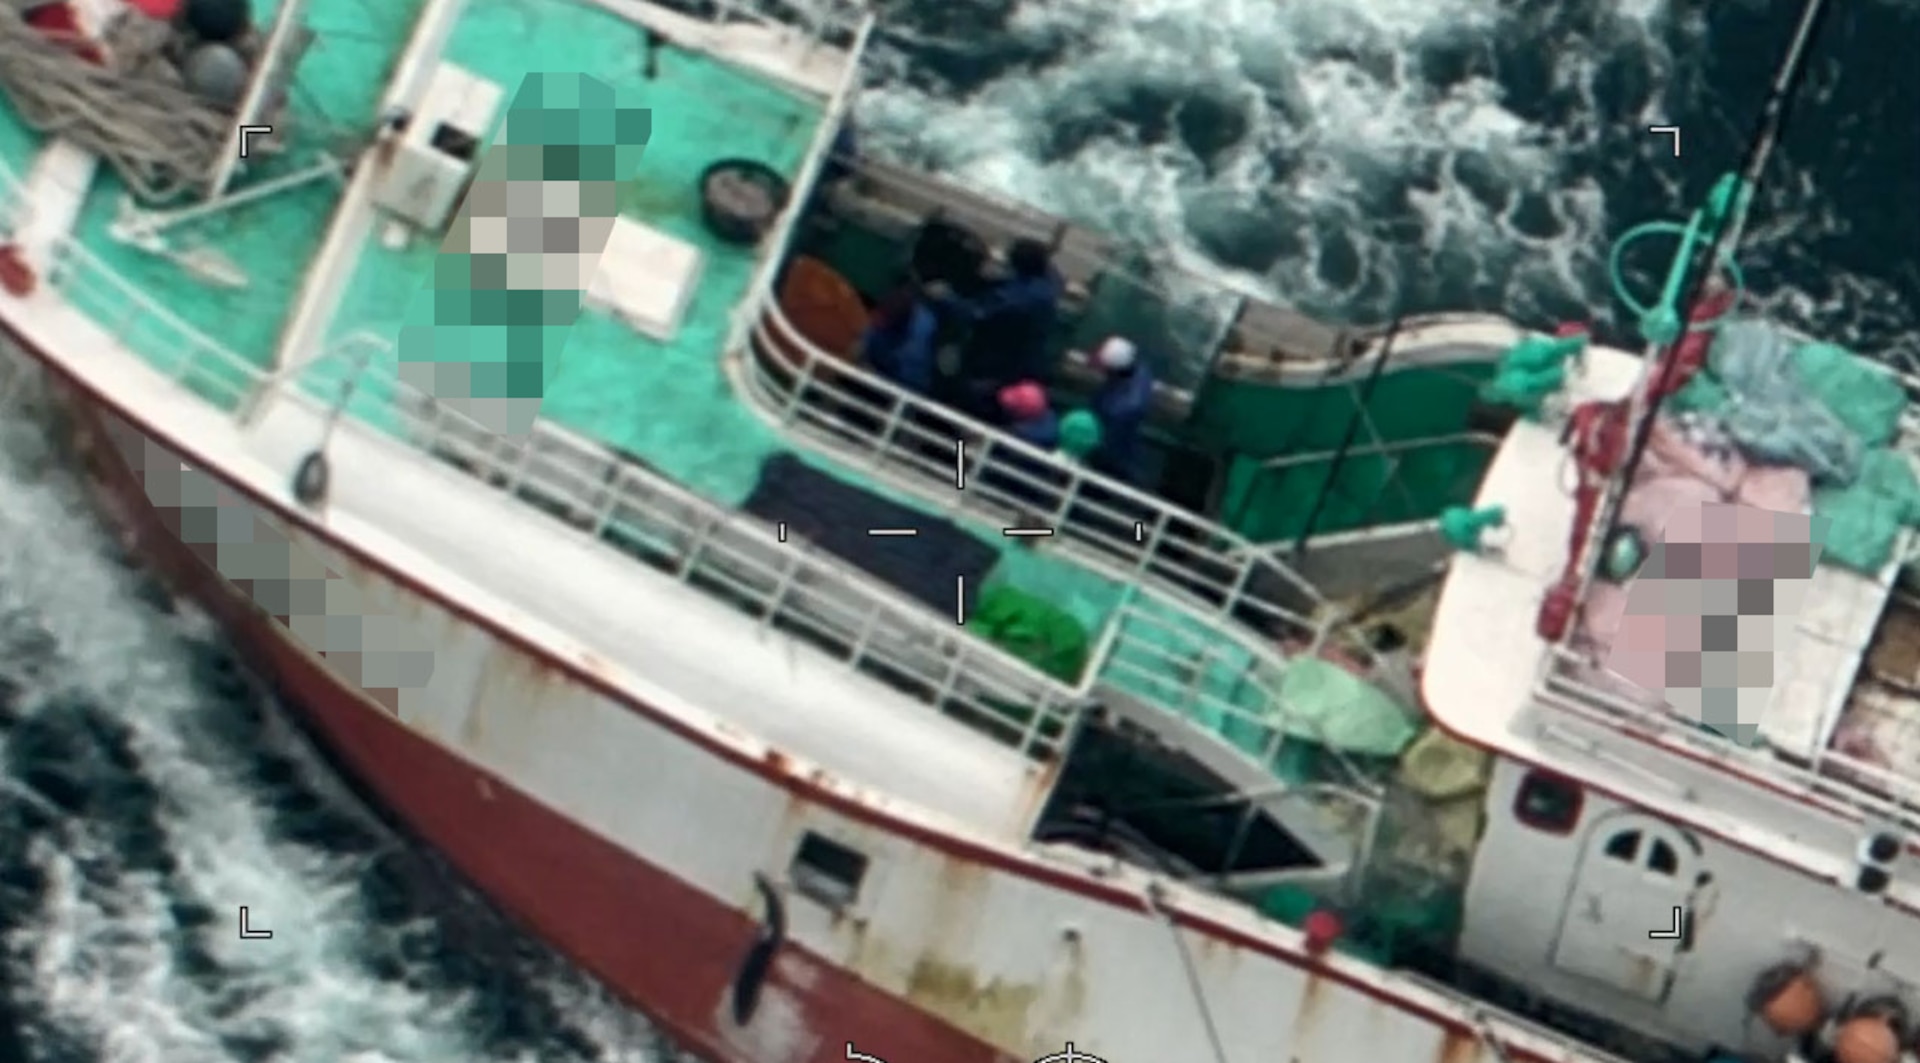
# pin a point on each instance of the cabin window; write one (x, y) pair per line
(827, 871)
(1661, 857)
(1548, 802)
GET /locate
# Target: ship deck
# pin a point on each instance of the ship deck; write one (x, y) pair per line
(665, 402)
(328, 283)
(270, 241)
(661, 400)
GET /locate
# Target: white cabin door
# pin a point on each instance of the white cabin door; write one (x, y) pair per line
(1618, 926)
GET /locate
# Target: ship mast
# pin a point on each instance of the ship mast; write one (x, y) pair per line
(1724, 221)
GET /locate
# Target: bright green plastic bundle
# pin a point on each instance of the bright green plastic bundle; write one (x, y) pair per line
(1036, 631)
(1531, 370)
(1860, 524)
(1865, 395)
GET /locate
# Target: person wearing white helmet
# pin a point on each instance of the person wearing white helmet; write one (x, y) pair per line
(1124, 398)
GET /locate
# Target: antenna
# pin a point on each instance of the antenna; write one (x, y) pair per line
(1726, 214)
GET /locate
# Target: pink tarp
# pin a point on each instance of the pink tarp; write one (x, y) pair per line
(1683, 470)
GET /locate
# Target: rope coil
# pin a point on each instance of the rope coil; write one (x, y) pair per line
(135, 114)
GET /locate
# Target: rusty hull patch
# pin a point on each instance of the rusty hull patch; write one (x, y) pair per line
(932, 973)
(954, 992)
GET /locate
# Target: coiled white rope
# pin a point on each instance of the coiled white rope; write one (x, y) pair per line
(160, 138)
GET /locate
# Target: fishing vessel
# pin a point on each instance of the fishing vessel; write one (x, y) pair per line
(820, 721)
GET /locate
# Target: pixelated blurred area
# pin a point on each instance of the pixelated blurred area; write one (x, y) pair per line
(357, 628)
(486, 334)
(1711, 607)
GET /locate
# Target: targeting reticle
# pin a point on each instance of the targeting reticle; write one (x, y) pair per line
(959, 582)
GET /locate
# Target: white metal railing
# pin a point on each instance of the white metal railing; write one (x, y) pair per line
(822, 17)
(1867, 790)
(773, 248)
(718, 548)
(1218, 685)
(160, 337)
(1179, 665)
(726, 554)
(355, 351)
(614, 500)
(1128, 533)
(1201, 576)
(820, 20)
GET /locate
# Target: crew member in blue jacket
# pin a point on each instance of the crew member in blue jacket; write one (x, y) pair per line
(1124, 398)
(1026, 414)
(1012, 324)
(899, 343)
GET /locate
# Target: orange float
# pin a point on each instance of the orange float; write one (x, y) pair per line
(1866, 1039)
(1789, 1001)
(16, 277)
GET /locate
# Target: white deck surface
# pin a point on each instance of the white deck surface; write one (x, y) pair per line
(583, 602)
(1817, 673)
(1493, 601)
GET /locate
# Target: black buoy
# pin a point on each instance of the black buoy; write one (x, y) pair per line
(217, 74)
(740, 199)
(311, 479)
(221, 21)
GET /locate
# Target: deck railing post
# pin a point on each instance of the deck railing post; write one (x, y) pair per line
(883, 445)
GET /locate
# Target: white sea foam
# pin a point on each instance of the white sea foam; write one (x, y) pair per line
(97, 957)
(1379, 177)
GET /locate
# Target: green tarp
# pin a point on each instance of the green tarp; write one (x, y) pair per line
(1047, 637)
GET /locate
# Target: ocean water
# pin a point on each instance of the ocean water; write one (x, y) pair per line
(1358, 157)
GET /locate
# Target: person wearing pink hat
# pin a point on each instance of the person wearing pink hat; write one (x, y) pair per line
(1122, 402)
(1027, 414)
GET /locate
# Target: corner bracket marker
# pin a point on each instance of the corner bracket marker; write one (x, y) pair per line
(249, 933)
(1675, 932)
(247, 131)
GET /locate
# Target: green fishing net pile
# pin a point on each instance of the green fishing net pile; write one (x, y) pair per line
(1041, 634)
(1824, 409)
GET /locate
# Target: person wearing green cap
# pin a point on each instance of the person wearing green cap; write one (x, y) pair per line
(1079, 434)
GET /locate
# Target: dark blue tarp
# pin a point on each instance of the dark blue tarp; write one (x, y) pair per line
(836, 516)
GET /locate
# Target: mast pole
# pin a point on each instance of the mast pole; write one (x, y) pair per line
(1658, 376)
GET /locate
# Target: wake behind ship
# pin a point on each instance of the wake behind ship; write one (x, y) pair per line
(502, 378)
